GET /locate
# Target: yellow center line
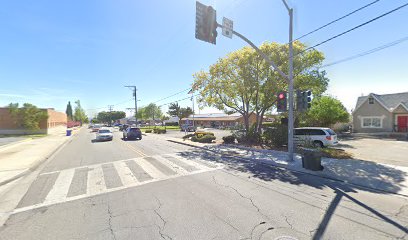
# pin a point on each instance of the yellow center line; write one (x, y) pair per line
(134, 149)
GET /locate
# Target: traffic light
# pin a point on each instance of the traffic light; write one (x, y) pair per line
(206, 23)
(281, 105)
(299, 100)
(303, 100)
(307, 99)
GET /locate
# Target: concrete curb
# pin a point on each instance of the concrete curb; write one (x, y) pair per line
(13, 144)
(36, 165)
(301, 171)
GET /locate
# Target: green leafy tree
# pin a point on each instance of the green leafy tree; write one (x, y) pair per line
(185, 112)
(68, 111)
(153, 111)
(141, 114)
(106, 117)
(174, 109)
(243, 82)
(326, 111)
(29, 116)
(79, 112)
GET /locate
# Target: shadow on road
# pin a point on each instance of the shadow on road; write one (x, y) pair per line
(373, 175)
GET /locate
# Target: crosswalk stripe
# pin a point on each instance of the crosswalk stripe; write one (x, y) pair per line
(113, 176)
(190, 162)
(61, 186)
(96, 181)
(149, 168)
(175, 167)
(125, 173)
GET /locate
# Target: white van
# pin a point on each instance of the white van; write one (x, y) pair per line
(319, 137)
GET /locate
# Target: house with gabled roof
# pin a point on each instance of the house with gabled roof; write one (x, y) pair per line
(381, 113)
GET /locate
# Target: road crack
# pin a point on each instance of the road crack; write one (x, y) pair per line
(161, 228)
(110, 222)
(242, 196)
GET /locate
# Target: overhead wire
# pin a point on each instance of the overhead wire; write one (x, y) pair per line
(336, 20)
(385, 46)
(354, 28)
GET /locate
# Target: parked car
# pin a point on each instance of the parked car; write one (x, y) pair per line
(132, 133)
(104, 134)
(96, 127)
(188, 128)
(319, 137)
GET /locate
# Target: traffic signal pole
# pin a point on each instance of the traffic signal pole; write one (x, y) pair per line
(290, 112)
(206, 24)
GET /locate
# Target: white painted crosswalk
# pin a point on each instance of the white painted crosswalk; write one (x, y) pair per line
(113, 176)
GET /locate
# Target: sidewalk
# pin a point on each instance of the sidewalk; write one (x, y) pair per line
(366, 174)
(20, 158)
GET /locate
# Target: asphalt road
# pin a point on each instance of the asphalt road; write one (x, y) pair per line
(154, 189)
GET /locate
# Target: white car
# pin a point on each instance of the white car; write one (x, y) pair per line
(319, 137)
(104, 134)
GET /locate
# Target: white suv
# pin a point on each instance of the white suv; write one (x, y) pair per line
(320, 137)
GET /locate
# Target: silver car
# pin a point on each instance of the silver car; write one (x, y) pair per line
(104, 134)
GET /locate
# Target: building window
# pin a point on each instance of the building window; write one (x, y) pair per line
(371, 122)
(370, 100)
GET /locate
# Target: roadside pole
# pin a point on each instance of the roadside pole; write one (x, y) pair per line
(206, 24)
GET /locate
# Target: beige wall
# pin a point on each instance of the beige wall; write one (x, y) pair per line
(372, 110)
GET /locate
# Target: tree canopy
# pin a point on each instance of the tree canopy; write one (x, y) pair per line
(243, 82)
(176, 110)
(68, 111)
(108, 117)
(326, 111)
(151, 111)
(79, 113)
(28, 116)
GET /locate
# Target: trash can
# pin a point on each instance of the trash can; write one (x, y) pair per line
(69, 131)
(312, 160)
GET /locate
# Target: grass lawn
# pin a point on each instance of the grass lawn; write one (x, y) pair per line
(161, 127)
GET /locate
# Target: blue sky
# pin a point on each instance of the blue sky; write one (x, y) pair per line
(52, 52)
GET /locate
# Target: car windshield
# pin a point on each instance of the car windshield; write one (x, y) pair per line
(203, 119)
(104, 131)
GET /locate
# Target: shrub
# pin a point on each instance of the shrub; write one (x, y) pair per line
(148, 131)
(201, 134)
(188, 136)
(204, 139)
(229, 139)
(277, 136)
(159, 131)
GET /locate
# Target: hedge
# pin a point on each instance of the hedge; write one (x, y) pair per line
(229, 139)
(204, 139)
(202, 134)
(148, 131)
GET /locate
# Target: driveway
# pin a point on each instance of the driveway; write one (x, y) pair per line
(388, 151)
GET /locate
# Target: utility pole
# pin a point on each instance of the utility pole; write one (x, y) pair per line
(206, 24)
(290, 90)
(110, 114)
(135, 96)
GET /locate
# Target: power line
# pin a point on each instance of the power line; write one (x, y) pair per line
(391, 44)
(172, 95)
(113, 105)
(336, 20)
(179, 100)
(354, 28)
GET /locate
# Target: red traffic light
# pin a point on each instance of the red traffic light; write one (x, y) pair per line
(281, 96)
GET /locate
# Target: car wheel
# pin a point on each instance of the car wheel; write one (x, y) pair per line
(318, 144)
